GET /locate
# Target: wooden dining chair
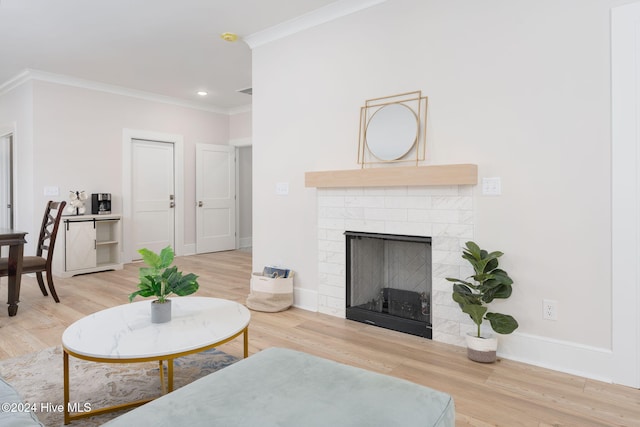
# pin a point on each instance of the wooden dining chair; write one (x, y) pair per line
(42, 261)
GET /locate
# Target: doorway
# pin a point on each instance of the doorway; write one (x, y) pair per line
(216, 198)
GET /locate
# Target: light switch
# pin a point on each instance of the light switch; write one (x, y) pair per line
(51, 191)
(492, 186)
(282, 188)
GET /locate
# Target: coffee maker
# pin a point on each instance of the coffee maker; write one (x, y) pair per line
(101, 204)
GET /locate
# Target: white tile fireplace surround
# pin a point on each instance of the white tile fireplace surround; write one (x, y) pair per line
(445, 213)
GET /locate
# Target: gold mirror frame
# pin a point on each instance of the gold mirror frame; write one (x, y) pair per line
(417, 104)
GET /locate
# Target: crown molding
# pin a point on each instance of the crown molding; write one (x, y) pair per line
(319, 16)
(14, 82)
(29, 74)
(239, 110)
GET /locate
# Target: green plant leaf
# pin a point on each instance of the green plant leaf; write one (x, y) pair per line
(466, 299)
(473, 249)
(476, 312)
(166, 257)
(502, 323)
(186, 285)
(150, 258)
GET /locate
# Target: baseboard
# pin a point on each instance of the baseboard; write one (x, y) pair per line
(245, 242)
(189, 249)
(305, 299)
(564, 356)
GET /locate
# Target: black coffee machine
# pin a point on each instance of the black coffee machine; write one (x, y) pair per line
(101, 204)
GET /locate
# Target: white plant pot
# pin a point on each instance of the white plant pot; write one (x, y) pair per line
(160, 312)
(482, 349)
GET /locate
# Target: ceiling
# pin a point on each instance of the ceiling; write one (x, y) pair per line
(171, 48)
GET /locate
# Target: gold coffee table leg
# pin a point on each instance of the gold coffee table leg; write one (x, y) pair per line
(246, 342)
(65, 364)
(161, 366)
(170, 369)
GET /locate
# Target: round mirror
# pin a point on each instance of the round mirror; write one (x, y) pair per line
(392, 131)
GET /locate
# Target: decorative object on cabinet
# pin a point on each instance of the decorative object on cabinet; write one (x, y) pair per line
(489, 282)
(101, 204)
(91, 243)
(393, 129)
(160, 279)
(76, 202)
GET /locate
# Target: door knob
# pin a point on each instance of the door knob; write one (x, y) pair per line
(171, 204)
(200, 204)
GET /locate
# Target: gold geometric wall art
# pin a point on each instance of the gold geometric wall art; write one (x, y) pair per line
(393, 129)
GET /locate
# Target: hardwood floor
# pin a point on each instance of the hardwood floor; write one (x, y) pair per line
(506, 393)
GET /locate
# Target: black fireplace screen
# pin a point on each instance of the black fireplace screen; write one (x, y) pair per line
(389, 281)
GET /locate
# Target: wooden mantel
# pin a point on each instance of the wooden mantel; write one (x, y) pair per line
(463, 174)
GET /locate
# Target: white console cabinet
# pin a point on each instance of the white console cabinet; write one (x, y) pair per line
(86, 244)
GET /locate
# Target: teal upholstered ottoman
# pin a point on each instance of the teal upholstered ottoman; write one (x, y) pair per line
(280, 387)
(14, 412)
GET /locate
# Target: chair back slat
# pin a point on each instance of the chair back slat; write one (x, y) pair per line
(49, 229)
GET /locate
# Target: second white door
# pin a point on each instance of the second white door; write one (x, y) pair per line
(215, 198)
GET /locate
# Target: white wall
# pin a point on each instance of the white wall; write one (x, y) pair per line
(77, 144)
(520, 88)
(16, 116)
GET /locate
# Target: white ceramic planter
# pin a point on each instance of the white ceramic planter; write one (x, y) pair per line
(482, 349)
(160, 312)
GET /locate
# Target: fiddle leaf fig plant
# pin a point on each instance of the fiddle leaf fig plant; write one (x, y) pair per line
(488, 282)
(160, 279)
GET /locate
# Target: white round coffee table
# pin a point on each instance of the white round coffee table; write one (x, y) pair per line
(125, 334)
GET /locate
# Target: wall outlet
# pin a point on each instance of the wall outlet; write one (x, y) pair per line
(492, 186)
(549, 309)
(282, 188)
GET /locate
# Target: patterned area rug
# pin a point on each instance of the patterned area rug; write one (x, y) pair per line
(38, 379)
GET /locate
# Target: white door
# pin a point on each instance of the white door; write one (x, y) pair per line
(153, 195)
(215, 198)
(6, 182)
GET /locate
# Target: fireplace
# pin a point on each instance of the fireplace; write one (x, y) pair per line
(388, 281)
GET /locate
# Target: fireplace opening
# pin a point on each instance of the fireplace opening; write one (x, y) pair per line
(389, 281)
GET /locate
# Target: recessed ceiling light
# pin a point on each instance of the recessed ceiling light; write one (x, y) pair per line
(203, 93)
(229, 37)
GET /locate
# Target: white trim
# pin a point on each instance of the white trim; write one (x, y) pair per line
(189, 249)
(305, 299)
(61, 79)
(8, 129)
(625, 194)
(245, 242)
(241, 142)
(237, 201)
(563, 356)
(15, 81)
(239, 110)
(177, 140)
(317, 17)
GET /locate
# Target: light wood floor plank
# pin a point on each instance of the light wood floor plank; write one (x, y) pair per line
(506, 393)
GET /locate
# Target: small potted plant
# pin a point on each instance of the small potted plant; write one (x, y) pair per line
(160, 279)
(488, 282)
